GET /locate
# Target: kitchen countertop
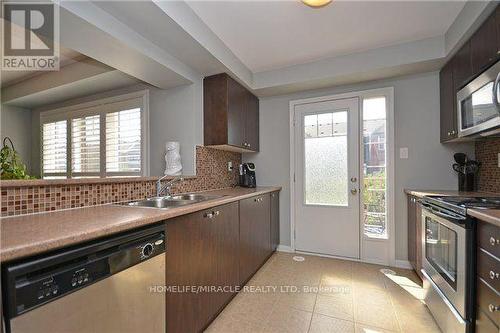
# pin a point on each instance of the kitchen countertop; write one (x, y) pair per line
(487, 215)
(446, 193)
(27, 235)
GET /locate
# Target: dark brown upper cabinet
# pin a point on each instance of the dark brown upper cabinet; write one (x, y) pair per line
(462, 66)
(231, 115)
(448, 113)
(484, 46)
(478, 53)
(497, 23)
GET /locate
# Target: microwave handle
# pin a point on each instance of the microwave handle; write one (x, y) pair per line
(495, 93)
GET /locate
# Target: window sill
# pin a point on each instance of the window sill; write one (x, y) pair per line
(76, 181)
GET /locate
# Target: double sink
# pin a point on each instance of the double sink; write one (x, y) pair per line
(172, 201)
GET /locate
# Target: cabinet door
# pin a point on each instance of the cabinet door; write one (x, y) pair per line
(235, 113)
(462, 66)
(497, 23)
(412, 232)
(484, 45)
(275, 220)
(190, 262)
(448, 124)
(252, 122)
(225, 234)
(255, 235)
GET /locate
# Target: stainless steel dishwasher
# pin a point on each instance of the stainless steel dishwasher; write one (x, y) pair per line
(107, 286)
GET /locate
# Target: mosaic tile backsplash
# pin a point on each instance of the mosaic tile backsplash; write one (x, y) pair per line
(211, 173)
(487, 153)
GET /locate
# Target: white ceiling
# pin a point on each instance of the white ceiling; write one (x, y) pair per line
(67, 57)
(267, 35)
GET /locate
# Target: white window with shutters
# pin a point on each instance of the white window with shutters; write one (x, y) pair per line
(105, 138)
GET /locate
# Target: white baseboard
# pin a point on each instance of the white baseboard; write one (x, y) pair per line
(402, 264)
(285, 248)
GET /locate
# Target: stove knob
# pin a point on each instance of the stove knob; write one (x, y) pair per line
(147, 250)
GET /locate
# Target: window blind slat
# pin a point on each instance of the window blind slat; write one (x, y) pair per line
(85, 144)
(123, 141)
(54, 143)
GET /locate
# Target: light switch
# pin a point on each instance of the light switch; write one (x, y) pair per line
(403, 153)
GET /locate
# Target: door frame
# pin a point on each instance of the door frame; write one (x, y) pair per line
(384, 248)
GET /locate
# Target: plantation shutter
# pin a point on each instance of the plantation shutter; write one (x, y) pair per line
(85, 146)
(123, 141)
(54, 149)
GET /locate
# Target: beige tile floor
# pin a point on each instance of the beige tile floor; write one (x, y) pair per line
(326, 295)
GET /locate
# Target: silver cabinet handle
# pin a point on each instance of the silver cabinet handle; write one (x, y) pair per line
(209, 215)
(216, 213)
(494, 275)
(258, 199)
(493, 308)
(493, 241)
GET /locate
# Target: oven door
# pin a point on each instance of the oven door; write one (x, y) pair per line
(477, 104)
(444, 255)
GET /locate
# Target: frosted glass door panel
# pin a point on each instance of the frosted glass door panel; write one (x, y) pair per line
(325, 159)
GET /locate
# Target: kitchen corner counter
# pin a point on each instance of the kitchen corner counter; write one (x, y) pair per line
(487, 215)
(447, 193)
(27, 235)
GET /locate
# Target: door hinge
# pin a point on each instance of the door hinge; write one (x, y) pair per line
(294, 235)
(294, 177)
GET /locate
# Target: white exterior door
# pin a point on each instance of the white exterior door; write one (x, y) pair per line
(326, 142)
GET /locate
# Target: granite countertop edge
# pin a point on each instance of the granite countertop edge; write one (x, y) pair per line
(30, 235)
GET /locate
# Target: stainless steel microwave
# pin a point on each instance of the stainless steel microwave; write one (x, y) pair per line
(478, 105)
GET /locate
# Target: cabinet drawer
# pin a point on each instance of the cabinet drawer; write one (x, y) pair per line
(489, 238)
(484, 324)
(488, 268)
(488, 301)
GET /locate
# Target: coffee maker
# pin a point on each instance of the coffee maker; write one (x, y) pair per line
(247, 175)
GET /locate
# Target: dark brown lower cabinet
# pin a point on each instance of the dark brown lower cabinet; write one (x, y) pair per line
(275, 220)
(255, 235)
(202, 250)
(488, 279)
(216, 248)
(415, 234)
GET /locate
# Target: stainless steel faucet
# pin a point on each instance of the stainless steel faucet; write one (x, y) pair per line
(166, 187)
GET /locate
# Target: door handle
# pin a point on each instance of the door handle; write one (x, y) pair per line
(354, 191)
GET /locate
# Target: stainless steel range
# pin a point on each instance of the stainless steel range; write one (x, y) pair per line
(449, 259)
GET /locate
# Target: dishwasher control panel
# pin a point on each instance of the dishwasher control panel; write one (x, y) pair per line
(36, 290)
(31, 284)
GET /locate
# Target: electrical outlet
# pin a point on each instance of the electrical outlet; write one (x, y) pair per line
(403, 153)
(229, 166)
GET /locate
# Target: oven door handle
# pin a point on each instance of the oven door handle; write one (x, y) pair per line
(495, 93)
(441, 213)
(443, 297)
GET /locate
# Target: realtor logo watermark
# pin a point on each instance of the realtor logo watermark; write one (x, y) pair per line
(30, 36)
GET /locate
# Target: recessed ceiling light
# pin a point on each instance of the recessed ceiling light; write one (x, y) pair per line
(316, 3)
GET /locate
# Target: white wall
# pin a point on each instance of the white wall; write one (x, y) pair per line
(416, 108)
(16, 124)
(176, 115)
